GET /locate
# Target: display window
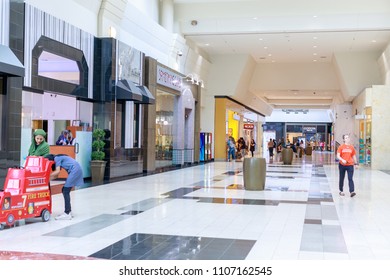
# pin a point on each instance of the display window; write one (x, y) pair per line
(164, 122)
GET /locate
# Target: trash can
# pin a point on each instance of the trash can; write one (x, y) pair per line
(309, 150)
(254, 173)
(287, 155)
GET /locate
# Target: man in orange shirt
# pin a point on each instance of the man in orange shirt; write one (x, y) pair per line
(346, 155)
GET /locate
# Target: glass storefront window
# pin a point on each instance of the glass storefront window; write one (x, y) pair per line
(58, 67)
(164, 122)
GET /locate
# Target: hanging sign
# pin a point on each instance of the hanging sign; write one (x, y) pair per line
(249, 126)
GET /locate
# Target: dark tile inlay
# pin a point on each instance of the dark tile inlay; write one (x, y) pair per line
(88, 226)
(179, 193)
(232, 172)
(224, 200)
(286, 166)
(280, 171)
(131, 213)
(140, 246)
(276, 188)
(313, 222)
(144, 205)
(281, 177)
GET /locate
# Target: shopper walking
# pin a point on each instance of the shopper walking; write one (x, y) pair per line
(271, 148)
(231, 148)
(346, 155)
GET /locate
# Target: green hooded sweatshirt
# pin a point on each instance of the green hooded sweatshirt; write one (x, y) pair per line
(38, 150)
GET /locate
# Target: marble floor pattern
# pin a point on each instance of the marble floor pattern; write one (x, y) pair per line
(203, 212)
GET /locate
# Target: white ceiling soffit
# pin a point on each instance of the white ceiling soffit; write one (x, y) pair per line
(285, 31)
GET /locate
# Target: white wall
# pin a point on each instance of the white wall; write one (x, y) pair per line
(300, 76)
(357, 71)
(344, 124)
(82, 14)
(380, 148)
(313, 116)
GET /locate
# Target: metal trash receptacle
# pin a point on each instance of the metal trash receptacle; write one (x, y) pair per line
(254, 170)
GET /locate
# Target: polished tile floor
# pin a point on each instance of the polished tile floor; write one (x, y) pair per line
(204, 213)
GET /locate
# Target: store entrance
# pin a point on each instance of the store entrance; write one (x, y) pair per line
(46, 111)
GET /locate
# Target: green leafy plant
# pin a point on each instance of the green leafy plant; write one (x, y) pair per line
(98, 144)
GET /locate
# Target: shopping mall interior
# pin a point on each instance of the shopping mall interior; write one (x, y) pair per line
(171, 81)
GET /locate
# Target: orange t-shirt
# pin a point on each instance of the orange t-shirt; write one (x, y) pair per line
(346, 152)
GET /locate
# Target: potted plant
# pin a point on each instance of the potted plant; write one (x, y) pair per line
(97, 157)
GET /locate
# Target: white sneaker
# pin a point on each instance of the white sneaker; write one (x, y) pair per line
(64, 216)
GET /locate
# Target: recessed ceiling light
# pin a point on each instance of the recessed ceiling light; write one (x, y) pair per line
(265, 48)
(373, 41)
(314, 46)
(315, 38)
(314, 53)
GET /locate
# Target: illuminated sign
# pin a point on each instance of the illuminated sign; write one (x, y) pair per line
(249, 126)
(310, 129)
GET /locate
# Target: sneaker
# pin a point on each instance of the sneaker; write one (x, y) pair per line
(64, 216)
(341, 194)
(353, 194)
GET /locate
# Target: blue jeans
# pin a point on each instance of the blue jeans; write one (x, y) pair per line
(66, 194)
(349, 169)
(232, 152)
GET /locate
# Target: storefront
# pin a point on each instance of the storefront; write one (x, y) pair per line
(78, 82)
(236, 120)
(58, 86)
(319, 135)
(176, 119)
(365, 135)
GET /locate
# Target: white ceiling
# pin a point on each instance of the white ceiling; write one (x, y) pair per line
(285, 31)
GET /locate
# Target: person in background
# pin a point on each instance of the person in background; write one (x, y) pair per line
(279, 147)
(75, 179)
(252, 146)
(39, 146)
(231, 144)
(271, 148)
(63, 138)
(346, 155)
(241, 147)
(71, 139)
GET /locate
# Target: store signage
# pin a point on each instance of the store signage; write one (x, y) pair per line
(249, 126)
(168, 78)
(360, 117)
(310, 129)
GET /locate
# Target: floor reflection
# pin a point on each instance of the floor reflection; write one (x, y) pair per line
(140, 246)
